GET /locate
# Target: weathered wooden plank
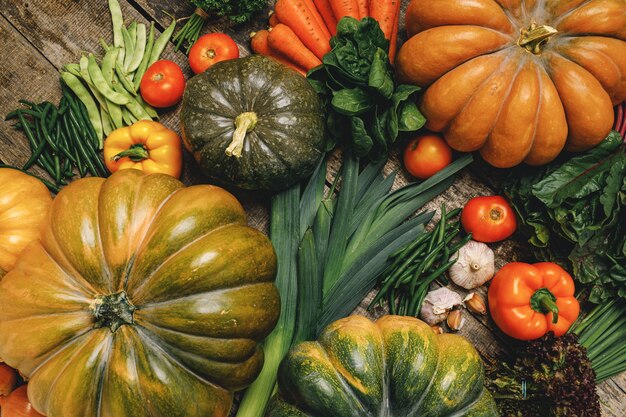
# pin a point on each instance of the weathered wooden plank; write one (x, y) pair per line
(24, 73)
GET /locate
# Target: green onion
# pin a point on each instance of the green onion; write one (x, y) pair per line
(602, 332)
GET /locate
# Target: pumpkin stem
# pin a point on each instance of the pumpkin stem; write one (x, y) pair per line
(244, 123)
(136, 153)
(544, 302)
(535, 36)
(112, 311)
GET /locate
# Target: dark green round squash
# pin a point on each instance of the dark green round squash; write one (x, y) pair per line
(396, 367)
(253, 123)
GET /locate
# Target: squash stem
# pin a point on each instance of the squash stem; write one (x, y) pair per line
(535, 36)
(244, 123)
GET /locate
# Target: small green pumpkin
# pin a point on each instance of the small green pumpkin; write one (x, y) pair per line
(396, 367)
(253, 123)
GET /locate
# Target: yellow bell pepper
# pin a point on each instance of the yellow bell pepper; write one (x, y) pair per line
(145, 145)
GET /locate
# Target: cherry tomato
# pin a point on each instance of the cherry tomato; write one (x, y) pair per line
(489, 219)
(210, 49)
(426, 155)
(163, 84)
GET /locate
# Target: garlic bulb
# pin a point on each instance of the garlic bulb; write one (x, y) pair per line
(437, 304)
(474, 265)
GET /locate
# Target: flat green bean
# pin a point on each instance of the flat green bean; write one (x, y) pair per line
(83, 95)
(104, 45)
(133, 105)
(117, 21)
(140, 48)
(84, 74)
(126, 117)
(146, 58)
(108, 71)
(148, 108)
(128, 46)
(100, 83)
(107, 127)
(161, 43)
(125, 81)
(132, 32)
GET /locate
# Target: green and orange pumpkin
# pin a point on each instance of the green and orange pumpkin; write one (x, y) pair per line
(395, 367)
(143, 298)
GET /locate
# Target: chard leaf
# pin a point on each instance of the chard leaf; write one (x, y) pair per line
(580, 176)
(614, 182)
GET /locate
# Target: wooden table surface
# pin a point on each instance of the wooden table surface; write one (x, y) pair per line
(38, 37)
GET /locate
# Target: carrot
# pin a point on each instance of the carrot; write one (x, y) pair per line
(326, 11)
(393, 43)
(273, 19)
(297, 15)
(343, 8)
(318, 18)
(260, 45)
(363, 8)
(385, 11)
(284, 40)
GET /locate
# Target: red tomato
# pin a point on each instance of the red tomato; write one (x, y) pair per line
(210, 49)
(426, 155)
(489, 219)
(163, 84)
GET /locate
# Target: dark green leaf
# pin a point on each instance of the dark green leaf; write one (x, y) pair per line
(613, 186)
(410, 119)
(579, 176)
(380, 77)
(352, 102)
(362, 141)
(392, 124)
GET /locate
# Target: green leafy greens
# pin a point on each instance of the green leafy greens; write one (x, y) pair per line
(365, 107)
(575, 214)
(237, 11)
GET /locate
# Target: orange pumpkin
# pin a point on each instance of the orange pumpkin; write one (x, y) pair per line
(24, 204)
(517, 80)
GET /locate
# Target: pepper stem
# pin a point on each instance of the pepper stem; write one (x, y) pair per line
(136, 153)
(244, 123)
(535, 36)
(544, 302)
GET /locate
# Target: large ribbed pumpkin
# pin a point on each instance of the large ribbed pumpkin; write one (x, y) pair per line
(142, 299)
(395, 367)
(518, 80)
(24, 205)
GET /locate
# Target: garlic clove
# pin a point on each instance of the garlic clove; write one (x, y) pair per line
(437, 329)
(476, 303)
(437, 304)
(455, 320)
(474, 266)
